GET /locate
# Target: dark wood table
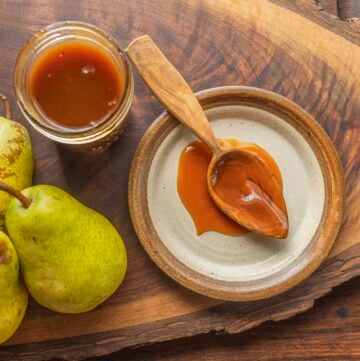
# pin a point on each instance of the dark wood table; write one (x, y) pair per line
(330, 331)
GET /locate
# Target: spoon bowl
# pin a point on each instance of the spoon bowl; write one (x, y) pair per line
(240, 183)
(244, 200)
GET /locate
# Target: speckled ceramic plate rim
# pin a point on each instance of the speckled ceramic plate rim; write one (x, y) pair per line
(320, 244)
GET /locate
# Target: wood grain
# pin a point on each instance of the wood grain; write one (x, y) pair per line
(331, 6)
(269, 44)
(348, 9)
(328, 332)
(344, 9)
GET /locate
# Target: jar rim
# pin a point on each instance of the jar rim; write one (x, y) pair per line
(79, 135)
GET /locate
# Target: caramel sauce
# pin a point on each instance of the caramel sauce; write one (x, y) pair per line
(76, 84)
(249, 187)
(192, 186)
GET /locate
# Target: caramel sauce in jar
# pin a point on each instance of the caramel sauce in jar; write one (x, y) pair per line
(76, 84)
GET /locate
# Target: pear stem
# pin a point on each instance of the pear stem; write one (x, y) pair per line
(8, 189)
(7, 106)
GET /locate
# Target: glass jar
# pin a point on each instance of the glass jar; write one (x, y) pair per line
(95, 136)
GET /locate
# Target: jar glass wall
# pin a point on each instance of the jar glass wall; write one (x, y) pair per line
(94, 136)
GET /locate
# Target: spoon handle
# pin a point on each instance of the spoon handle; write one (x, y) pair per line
(170, 88)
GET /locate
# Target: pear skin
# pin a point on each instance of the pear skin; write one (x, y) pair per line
(16, 161)
(13, 294)
(72, 258)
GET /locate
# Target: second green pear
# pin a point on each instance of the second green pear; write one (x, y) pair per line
(72, 258)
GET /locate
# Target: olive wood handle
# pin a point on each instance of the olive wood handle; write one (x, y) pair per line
(170, 88)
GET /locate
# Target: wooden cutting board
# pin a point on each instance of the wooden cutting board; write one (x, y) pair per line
(287, 46)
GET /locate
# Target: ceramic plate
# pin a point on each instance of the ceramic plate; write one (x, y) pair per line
(245, 267)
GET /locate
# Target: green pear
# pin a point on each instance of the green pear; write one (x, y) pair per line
(13, 294)
(16, 158)
(71, 257)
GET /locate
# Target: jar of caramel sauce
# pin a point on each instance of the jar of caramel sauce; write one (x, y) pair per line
(74, 85)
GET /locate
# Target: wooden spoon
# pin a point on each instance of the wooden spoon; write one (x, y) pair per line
(239, 181)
